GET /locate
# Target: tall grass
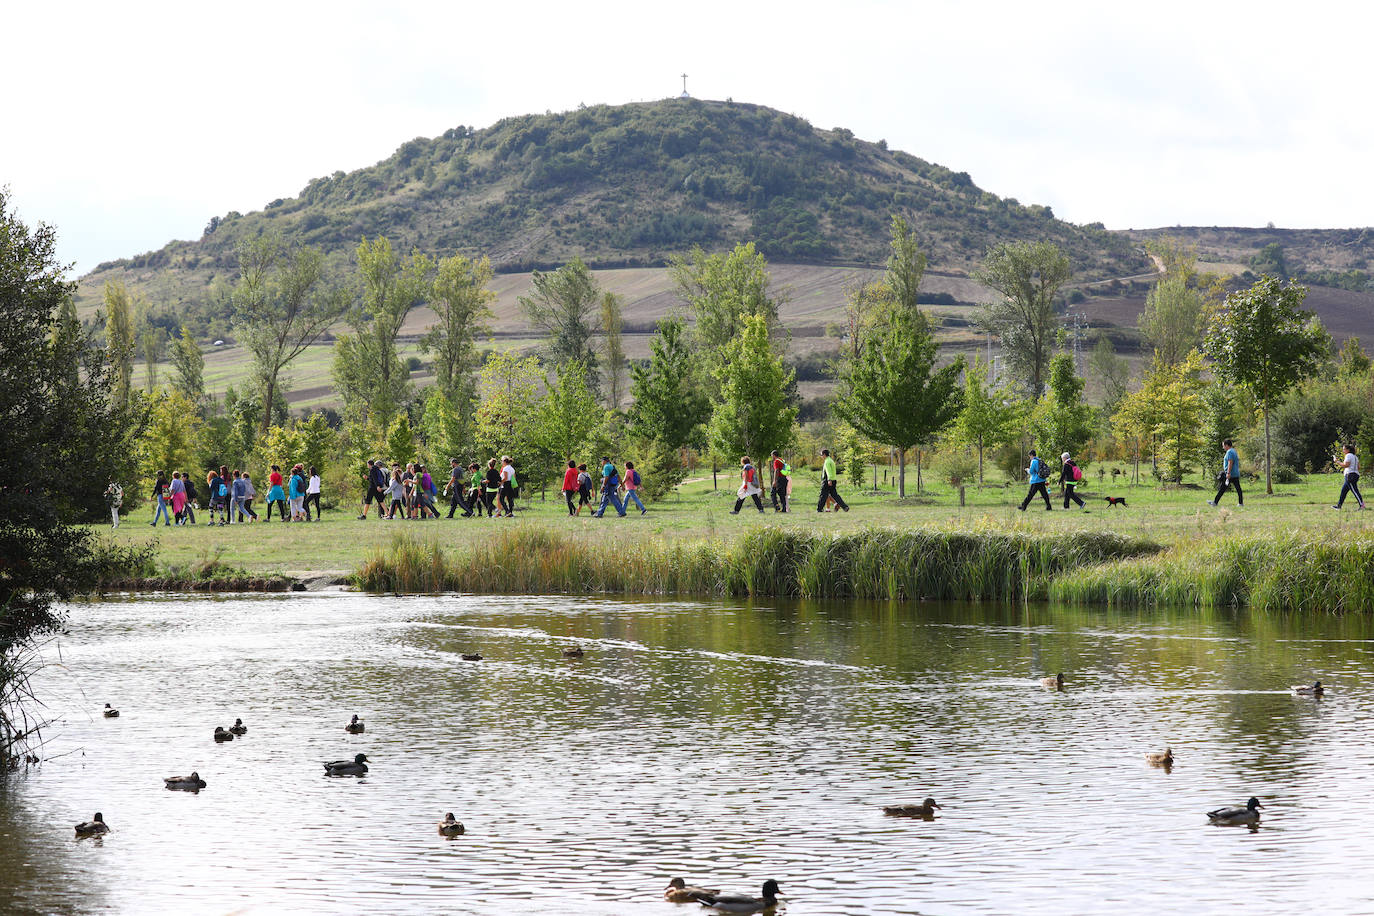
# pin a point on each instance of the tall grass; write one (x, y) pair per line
(767, 562)
(1283, 573)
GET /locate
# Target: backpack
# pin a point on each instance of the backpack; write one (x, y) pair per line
(1077, 473)
(635, 475)
(786, 469)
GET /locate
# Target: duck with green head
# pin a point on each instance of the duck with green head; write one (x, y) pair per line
(1234, 816)
(355, 767)
(743, 903)
(93, 827)
(238, 728)
(355, 726)
(192, 783)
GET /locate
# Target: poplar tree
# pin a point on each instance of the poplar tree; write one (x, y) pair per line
(461, 303)
(1026, 275)
(751, 414)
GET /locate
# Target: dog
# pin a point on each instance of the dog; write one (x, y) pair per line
(1114, 501)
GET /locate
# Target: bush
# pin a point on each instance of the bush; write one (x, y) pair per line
(955, 465)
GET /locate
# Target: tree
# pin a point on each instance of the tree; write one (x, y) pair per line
(611, 325)
(568, 414)
(280, 309)
(1027, 275)
(189, 363)
(173, 438)
(1172, 321)
(893, 394)
(1262, 340)
(865, 302)
(508, 387)
(152, 342)
(751, 414)
(66, 429)
(443, 429)
(119, 337)
(565, 306)
(906, 266)
(1138, 417)
(461, 303)
(1060, 419)
(722, 290)
(400, 441)
(1112, 371)
(988, 416)
(1180, 410)
(368, 371)
(668, 404)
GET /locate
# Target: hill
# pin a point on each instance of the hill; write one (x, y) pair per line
(624, 186)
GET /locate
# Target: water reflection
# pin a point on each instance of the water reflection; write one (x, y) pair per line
(726, 742)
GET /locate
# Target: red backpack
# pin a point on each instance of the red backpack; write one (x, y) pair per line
(1077, 473)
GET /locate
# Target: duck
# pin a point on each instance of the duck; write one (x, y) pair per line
(573, 652)
(238, 728)
(93, 827)
(355, 767)
(1235, 816)
(1303, 690)
(1057, 682)
(192, 783)
(221, 735)
(1165, 759)
(471, 657)
(111, 712)
(679, 891)
(741, 903)
(451, 826)
(354, 727)
(925, 809)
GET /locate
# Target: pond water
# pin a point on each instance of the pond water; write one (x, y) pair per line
(723, 742)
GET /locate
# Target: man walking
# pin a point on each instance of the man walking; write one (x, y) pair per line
(1069, 476)
(454, 490)
(610, 483)
(828, 483)
(1037, 483)
(1230, 474)
(374, 488)
(780, 475)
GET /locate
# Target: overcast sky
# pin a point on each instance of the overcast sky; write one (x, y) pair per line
(128, 125)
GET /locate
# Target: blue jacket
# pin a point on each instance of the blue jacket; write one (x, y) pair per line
(1231, 463)
(1036, 469)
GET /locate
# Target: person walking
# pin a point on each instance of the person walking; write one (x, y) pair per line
(114, 498)
(374, 486)
(192, 497)
(212, 493)
(295, 494)
(159, 496)
(177, 491)
(584, 488)
(829, 483)
(631, 485)
(454, 489)
(610, 485)
(276, 496)
(491, 488)
(1069, 476)
(1230, 474)
(313, 487)
(748, 487)
(475, 502)
(570, 486)
(236, 491)
(396, 493)
(779, 478)
(508, 485)
(1350, 474)
(1038, 477)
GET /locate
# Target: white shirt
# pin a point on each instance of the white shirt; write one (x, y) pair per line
(314, 485)
(1351, 464)
(507, 473)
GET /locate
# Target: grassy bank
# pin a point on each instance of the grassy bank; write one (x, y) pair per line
(767, 562)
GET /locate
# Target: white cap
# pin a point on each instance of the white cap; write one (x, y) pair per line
(1064, 457)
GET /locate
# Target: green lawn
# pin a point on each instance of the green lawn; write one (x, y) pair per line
(340, 542)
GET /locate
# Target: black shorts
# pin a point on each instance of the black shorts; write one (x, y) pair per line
(370, 494)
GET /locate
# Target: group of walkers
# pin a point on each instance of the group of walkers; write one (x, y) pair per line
(409, 492)
(780, 484)
(577, 488)
(229, 497)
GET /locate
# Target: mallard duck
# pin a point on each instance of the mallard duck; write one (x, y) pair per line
(471, 657)
(450, 826)
(111, 712)
(1230, 816)
(221, 735)
(679, 891)
(354, 727)
(924, 809)
(1303, 690)
(238, 728)
(355, 767)
(1165, 759)
(1057, 682)
(573, 652)
(740, 903)
(192, 783)
(93, 827)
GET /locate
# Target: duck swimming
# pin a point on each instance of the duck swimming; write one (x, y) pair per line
(355, 767)
(471, 657)
(450, 826)
(1057, 682)
(740, 903)
(221, 735)
(192, 783)
(238, 728)
(355, 727)
(679, 891)
(93, 827)
(1303, 690)
(574, 652)
(925, 809)
(1236, 816)
(1165, 759)
(111, 712)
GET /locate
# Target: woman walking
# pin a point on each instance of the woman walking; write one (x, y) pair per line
(570, 487)
(491, 486)
(159, 496)
(1350, 473)
(508, 486)
(114, 498)
(276, 496)
(312, 494)
(1069, 476)
(474, 494)
(396, 491)
(584, 488)
(749, 486)
(249, 493)
(631, 485)
(428, 492)
(297, 493)
(177, 490)
(212, 487)
(192, 496)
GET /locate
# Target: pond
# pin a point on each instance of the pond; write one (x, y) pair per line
(722, 742)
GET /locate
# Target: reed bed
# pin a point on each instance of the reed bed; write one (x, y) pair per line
(768, 562)
(1287, 573)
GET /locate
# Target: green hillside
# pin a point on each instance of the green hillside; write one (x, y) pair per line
(623, 186)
